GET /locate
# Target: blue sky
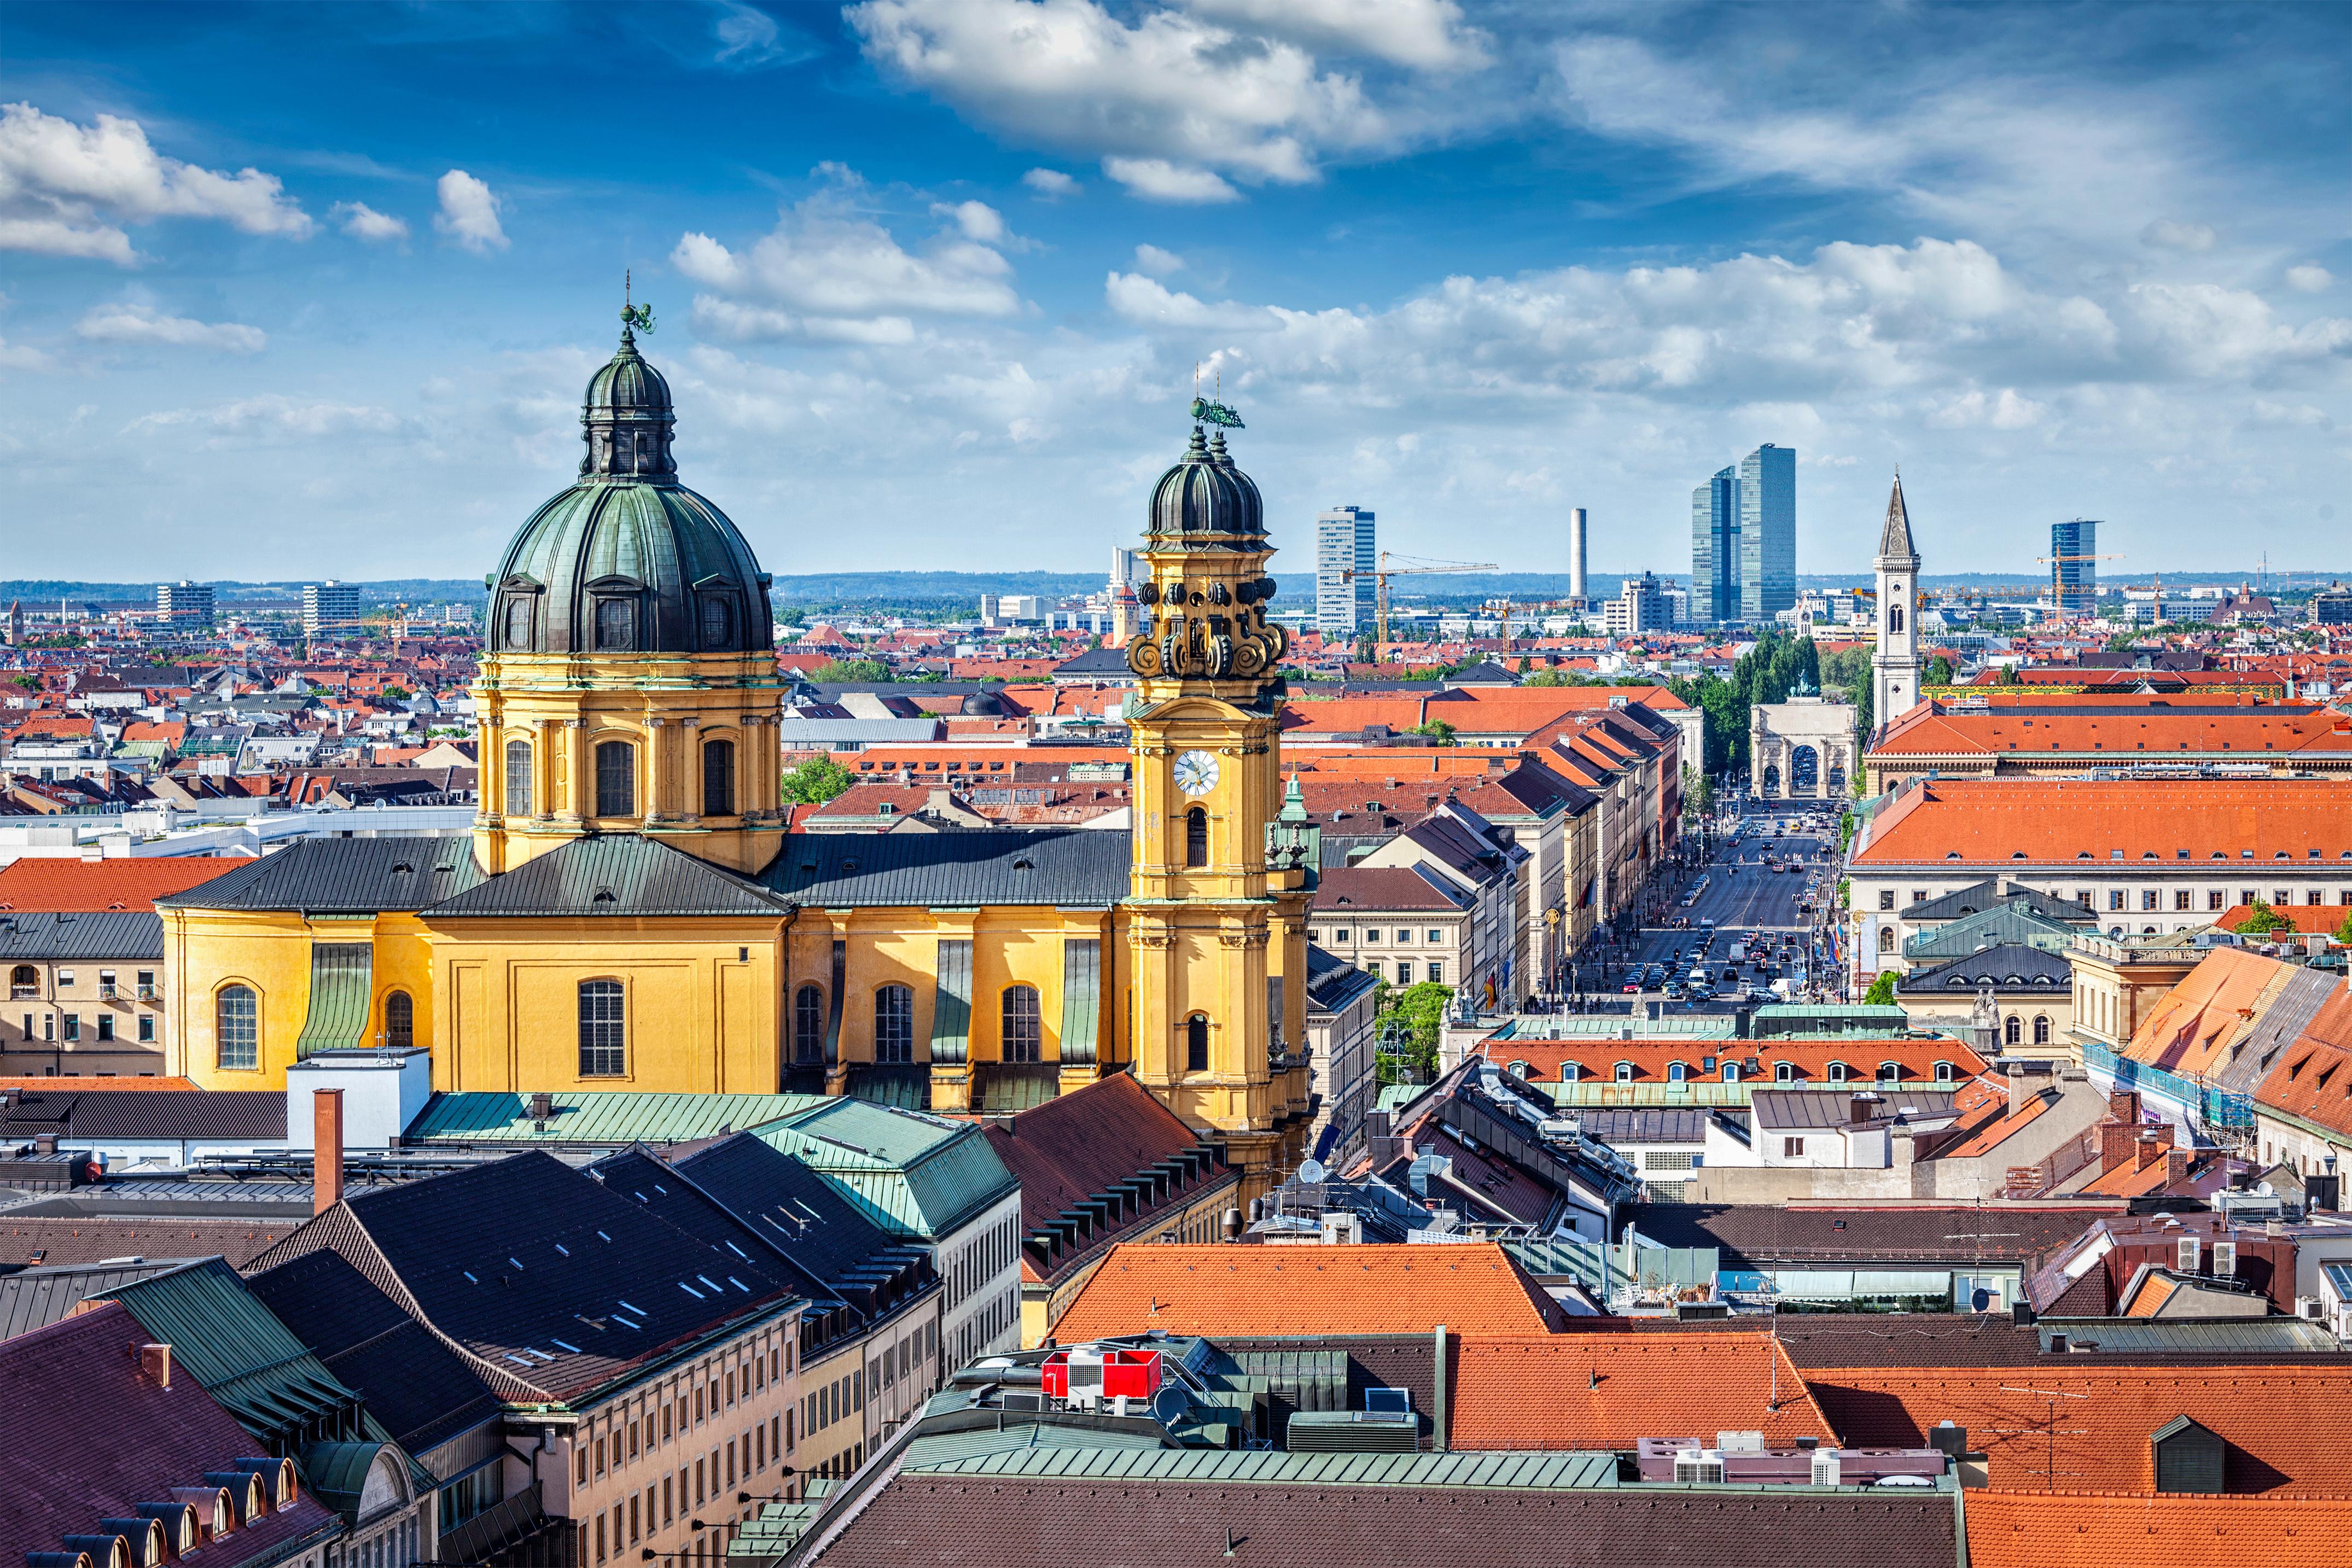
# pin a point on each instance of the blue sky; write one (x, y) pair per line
(296, 290)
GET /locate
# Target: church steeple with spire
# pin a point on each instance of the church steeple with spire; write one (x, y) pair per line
(1895, 669)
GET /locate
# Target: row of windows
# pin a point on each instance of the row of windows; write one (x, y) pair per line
(49, 1025)
(1404, 970)
(717, 1388)
(2183, 899)
(1782, 1072)
(1020, 1019)
(25, 983)
(1372, 933)
(616, 615)
(617, 778)
(641, 1513)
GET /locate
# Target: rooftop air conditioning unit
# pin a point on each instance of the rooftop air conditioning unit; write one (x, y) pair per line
(2186, 1257)
(2225, 1259)
(1698, 1465)
(1826, 1468)
(2312, 1309)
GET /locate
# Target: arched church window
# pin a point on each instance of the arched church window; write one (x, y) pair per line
(1024, 1024)
(894, 1025)
(1895, 618)
(1196, 1043)
(399, 1019)
(604, 1045)
(2041, 1028)
(617, 778)
(1196, 837)
(717, 622)
(518, 763)
(2013, 1031)
(237, 1029)
(1887, 939)
(617, 625)
(808, 1024)
(717, 778)
(518, 621)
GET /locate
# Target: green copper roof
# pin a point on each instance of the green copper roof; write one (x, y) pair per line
(244, 1355)
(917, 1176)
(617, 1119)
(340, 976)
(2011, 921)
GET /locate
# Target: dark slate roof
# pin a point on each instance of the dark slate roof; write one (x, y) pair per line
(1105, 664)
(791, 1207)
(641, 1177)
(1677, 1125)
(2005, 966)
(341, 876)
(258, 1113)
(1986, 894)
(79, 1238)
(1084, 868)
(1801, 1108)
(421, 1390)
(948, 1520)
(1763, 1235)
(1332, 982)
(614, 873)
(37, 1296)
(124, 933)
(109, 1439)
(557, 1286)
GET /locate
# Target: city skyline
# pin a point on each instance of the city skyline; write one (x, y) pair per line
(1472, 267)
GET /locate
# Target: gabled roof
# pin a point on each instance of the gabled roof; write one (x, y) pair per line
(2273, 825)
(63, 1108)
(91, 1239)
(88, 886)
(1085, 1142)
(1473, 1288)
(124, 937)
(341, 876)
(2005, 966)
(1998, 893)
(2080, 1528)
(1083, 869)
(1602, 1390)
(1358, 890)
(914, 1174)
(614, 873)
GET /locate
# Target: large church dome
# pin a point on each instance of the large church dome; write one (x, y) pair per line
(628, 561)
(1205, 503)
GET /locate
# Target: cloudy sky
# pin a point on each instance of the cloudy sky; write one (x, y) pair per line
(294, 290)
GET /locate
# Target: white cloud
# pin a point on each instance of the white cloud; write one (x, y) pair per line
(363, 222)
(2003, 411)
(2308, 279)
(827, 270)
(1158, 262)
(1427, 35)
(133, 323)
(1050, 183)
(67, 189)
(2168, 233)
(22, 357)
(469, 214)
(276, 415)
(1177, 100)
(748, 37)
(1158, 180)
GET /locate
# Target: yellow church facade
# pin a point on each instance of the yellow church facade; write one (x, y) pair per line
(630, 913)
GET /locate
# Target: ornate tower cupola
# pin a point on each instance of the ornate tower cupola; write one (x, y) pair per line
(1220, 883)
(1895, 670)
(629, 678)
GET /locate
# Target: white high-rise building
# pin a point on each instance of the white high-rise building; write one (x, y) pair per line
(330, 607)
(1895, 670)
(1127, 569)
(1576, 540)
(1344, 543)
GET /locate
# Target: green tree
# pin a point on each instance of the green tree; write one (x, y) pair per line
(2344, 932)
(2262, 919)
(845, 672)
(1436, 730)
(1940, 671)
(1409, 1023)
(1882, 991)
(26, 683)
(1546, 679)
(816, 781)
(1524, 665)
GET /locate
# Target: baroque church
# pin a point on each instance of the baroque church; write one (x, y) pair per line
(631, 913)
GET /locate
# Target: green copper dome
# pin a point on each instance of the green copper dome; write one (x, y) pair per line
(628, 561)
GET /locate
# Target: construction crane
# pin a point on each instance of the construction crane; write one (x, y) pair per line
(1415, 566)
(1503, 609)
(2057, 564)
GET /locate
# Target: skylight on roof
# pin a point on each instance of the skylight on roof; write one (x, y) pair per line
(565, 1345)
(639, 1310)
(691, 1290)
(710, 1282)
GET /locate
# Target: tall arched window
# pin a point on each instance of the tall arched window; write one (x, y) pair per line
(717, 622)
(617, 778)
(2041, 1028)
(399, 1019)
(1024, 1029)
(1887, 939)
(617, 625)
(518, 621)
(1196, 1043)
(717, 778)
(237, 1029)
(808, 1024)
(23, 981)
(1196, 836)
(517, 778)
(603, 1043)
(1895, 618)
(894, 1025)
(2014, 1031)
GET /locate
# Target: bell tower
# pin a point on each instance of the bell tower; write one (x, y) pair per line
(1216, 916)
(1895, 669)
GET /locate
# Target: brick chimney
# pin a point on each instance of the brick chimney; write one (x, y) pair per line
(2123, 1104)
(327, 1161)
(2176, 1166)
(2115, 1144)
(2152, 1144)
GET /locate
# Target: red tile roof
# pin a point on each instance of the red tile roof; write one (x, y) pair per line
(1609, 1390)
(2143, 1530)
(2083, 822)
(2321, 919)
(1472, 1288)
(2045, 723)
(2313, 1077)
(1809, 1059)
(2289, 1429)
(81, 887)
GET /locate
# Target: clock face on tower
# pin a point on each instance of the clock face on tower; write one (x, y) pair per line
(1196, 773)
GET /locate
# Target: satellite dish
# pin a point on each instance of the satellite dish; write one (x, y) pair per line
(1312, 1172)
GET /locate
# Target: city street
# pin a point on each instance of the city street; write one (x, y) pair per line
(1747, 898)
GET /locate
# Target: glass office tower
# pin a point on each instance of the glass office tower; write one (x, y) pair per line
(1715, 549)
(1768, 532)
(1344, 542)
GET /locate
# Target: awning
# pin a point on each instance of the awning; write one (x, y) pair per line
(340, 994)
(1850, 1284)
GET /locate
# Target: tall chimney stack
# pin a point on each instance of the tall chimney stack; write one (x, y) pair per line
(1576, 553)
(327, 1162)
